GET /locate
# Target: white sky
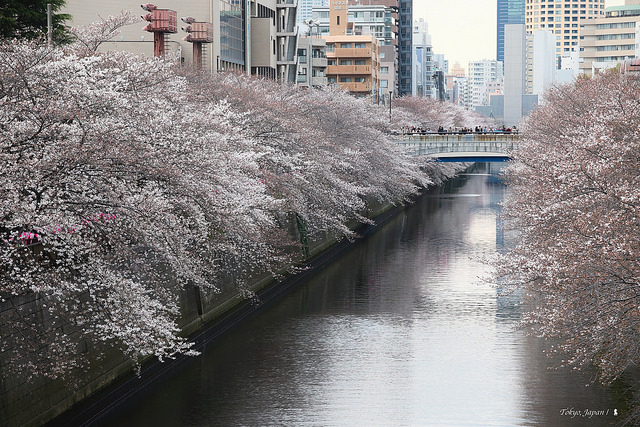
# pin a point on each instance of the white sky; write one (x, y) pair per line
(464, 30)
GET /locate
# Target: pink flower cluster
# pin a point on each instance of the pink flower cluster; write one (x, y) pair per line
(30, 238)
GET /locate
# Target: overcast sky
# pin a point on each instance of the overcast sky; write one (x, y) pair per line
(463, 30)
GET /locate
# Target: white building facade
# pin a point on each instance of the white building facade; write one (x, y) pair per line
(481, 75)
(423, 83)
(544, 61)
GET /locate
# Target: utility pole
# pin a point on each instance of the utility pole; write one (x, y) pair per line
(310, 23)
(49, 25)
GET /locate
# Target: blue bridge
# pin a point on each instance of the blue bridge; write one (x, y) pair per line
(461, 147)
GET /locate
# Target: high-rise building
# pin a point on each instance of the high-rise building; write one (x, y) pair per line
(423, 84)
(564, 18)
(405, 47)
(611, 39)
(509, 12)
(517, 103)
(515, 66)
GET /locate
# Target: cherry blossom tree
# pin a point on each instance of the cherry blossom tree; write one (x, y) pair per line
(125, 179)
(122, 188)
(574, 199)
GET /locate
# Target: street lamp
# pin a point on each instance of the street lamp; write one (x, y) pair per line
(310, 23)
(390, 94)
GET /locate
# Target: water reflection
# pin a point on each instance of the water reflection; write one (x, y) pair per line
(397, 332)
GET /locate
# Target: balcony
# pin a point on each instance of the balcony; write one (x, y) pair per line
(291, 30)
(344, 52)
(320, 62)
(349, 69)
(356, 87)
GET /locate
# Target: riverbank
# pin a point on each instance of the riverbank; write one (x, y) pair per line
(204, 317)
(95, 407)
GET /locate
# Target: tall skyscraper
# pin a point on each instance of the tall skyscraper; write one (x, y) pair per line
(405, 47)
(509, 12)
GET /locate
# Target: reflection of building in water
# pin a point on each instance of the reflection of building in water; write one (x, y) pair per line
(508, 303)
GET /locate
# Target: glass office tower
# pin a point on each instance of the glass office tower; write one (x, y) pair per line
(509, 12)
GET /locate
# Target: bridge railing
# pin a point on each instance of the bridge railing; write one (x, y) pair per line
(434, 144)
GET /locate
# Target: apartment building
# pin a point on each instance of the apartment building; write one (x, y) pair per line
(370, 20)
(312, 61)
(352, 64)
(609, 40)
(563, 18)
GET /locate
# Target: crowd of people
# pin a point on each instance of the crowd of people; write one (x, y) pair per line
(483, 130)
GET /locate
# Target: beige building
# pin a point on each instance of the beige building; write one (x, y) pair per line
(265, 44)
(563, 18)
(610, 40)
(376, 18)
(353, 64)
(353, 61)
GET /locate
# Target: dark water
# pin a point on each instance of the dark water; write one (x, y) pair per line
(398, 332)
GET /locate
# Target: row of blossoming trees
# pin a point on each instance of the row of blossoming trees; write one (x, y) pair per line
(120, 175)
(575, 197)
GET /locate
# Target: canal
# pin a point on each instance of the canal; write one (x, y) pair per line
(397, 332)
